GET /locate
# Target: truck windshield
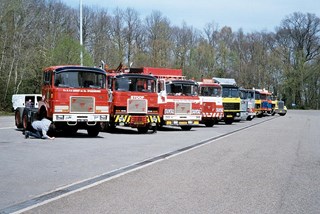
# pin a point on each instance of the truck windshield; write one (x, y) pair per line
(179, 89)
(79, 79)
(263, 96)
(230, 92)
(257, 96)
(210, 91)
(138, 84)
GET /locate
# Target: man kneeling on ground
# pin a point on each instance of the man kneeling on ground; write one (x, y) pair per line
(39, 129)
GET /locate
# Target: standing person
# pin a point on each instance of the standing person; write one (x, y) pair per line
(40, 129)
(29, 104)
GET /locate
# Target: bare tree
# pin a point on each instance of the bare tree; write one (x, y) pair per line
(159, 39)
(298, 37)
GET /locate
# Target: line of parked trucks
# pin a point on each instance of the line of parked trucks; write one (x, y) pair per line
(146, 98)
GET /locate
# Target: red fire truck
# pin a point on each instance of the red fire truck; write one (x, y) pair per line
(211, 102)
(178, 98)
(134, 99)
(73, 97)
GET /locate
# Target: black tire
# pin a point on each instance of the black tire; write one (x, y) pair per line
(228, 121)
(249, 118)
(143, 130)
(209, 123)
(186, 128)
(26, 123)
(93, 131)
(18, 120)
(282, 114)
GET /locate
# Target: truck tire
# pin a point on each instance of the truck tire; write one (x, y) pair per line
(18, 118)
(186, 128)
(249, 118)
(26, 123)
(209, 123)
(93, 131)
(228, 121)
(143, 130)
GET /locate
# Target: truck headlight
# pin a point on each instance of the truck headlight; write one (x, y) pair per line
(195, 111)
(169, 111)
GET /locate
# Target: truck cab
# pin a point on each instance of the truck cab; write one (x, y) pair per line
(178, 98)
(230, 98)
(210, 94)
(73, 97)
(247, 103)
(134, 101)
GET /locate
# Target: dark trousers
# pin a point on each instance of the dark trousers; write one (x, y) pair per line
(35, 133)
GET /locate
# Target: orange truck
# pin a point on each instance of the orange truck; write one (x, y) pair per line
(134, 100)
(210, 94)
(263, 102)
(177, 97)
(73, 97)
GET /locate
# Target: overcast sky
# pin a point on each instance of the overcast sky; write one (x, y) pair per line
(250, 15)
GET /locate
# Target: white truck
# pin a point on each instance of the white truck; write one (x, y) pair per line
(22, 101)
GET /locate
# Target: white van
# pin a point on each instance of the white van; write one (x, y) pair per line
(22, 101)
(25, 100)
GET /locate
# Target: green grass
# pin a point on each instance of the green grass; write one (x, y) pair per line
(4, 113)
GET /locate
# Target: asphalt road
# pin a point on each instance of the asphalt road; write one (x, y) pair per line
(268, 165)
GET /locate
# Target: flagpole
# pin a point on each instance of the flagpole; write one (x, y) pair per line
(81, 39)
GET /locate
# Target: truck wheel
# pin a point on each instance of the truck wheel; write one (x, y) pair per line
(25, 120)
(143, 130)
(93, 131)
(209, 123)
(249, 118)
(282, 114)
(186, 128)
(18, 120)
(228, 121)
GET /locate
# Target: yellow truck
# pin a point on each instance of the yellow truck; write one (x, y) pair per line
(230, 99)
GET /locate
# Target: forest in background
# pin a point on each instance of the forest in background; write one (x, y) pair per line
(38, 33)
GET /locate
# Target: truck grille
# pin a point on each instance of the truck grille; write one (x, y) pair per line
(183, 108)
(82, 104)
(231, 106)
(281, 105)
(137, 106)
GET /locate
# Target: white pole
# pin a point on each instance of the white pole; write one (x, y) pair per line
(81, 42)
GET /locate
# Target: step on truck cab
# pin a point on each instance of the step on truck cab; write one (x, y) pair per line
(73, 97)
(134, 99)
(177, 97)
(211, 102)
(230, 99)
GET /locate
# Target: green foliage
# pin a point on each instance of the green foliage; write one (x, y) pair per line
(67, 52)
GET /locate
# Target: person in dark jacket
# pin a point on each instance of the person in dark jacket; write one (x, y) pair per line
(40, 129)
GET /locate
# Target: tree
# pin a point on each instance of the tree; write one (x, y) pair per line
(298, 37)
(159, 39)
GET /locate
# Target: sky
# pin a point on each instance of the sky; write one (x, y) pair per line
(249, 15)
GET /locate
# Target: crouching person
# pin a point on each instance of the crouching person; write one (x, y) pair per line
(40, 129)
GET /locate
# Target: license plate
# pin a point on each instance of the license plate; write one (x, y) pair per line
(229, 115)
(183, 123)
(82, 120)
(139, 123)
